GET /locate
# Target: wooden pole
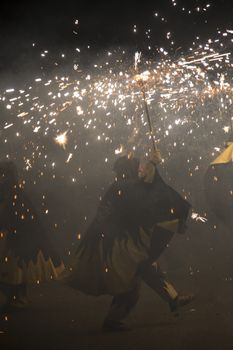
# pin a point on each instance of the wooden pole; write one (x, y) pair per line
(147, 115)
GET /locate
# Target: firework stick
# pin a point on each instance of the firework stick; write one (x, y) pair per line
(142, 87)
(148, 117)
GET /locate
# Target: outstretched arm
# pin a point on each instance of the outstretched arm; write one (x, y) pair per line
(150, 170)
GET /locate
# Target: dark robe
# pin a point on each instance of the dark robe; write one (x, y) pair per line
(132, 220)
(159, 210)
(27, 255)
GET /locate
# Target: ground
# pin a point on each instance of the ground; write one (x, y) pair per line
(199, 262)
(61, 318)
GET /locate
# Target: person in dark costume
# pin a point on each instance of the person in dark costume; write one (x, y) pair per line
(26, 254)
(218, 185)
(134, 223)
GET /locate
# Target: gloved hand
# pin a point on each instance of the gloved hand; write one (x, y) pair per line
(155, 157)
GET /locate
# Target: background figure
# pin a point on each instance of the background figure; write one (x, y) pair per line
(134, 223)
(26, 255)
(218, 183)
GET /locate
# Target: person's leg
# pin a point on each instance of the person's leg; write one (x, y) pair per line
(120, 307)
(15, 295)
(155, 278)
(8, 293)
(20, 297)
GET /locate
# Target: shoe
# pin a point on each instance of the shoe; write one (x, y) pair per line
(180, 301)
(115, 326)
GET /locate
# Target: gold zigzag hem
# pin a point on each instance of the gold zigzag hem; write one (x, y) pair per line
(32, 273)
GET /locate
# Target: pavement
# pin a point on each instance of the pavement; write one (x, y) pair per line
(61, 318)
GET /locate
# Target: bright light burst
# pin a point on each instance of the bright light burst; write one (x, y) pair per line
(189, 96)
(62, 139)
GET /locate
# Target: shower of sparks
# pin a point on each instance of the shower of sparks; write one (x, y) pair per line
(189, 97)
(191, 92)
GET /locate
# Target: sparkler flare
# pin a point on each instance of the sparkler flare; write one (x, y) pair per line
(197, 217)
(62, 139)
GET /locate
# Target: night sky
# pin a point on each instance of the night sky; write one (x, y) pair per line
(52, 25)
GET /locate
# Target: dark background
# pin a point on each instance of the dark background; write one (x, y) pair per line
(51, 24)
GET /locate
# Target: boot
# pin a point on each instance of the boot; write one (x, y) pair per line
(180, 301)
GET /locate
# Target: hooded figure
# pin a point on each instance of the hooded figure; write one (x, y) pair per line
(218, 183)
(107, 258)
(26, 255)
(133, 224)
